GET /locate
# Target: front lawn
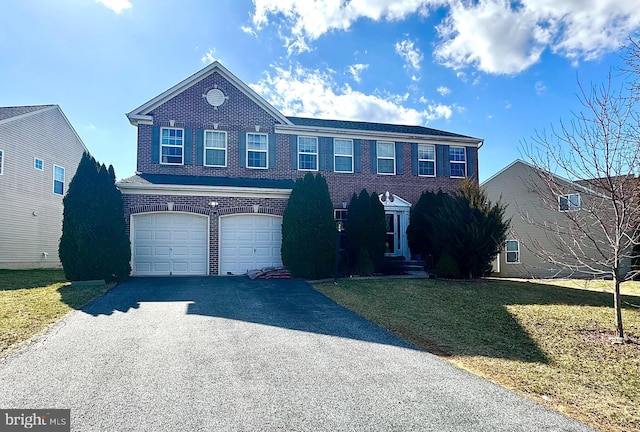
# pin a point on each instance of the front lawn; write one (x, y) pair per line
(30, 300)
(547, 342)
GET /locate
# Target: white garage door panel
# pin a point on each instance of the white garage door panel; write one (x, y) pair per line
(170, 244)
(249, 242)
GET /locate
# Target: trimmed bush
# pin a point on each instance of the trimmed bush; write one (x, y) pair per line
(446, 267)
(94, 243)
(366, 229)
(308, 230)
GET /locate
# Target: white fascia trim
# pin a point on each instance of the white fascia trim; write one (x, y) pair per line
(190, 190)
(136, 119)
(372, 135)
(144, 109)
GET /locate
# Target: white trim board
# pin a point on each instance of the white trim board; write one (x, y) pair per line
(190, 190)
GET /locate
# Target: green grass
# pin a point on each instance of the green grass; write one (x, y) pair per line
(544, 341)
(31, 300)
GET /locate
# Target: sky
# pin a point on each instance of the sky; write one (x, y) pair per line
(503, 71)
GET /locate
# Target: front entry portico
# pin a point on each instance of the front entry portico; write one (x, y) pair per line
(397, 212)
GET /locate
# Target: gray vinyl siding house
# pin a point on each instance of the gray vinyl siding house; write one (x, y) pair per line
(39, 152)
(518, 186)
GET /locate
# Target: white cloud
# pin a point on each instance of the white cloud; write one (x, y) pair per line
(540, 87)
(208, 57)
(493, 36)
(443, 90)
(314, 93)
(116, 5)
(410, 53)
(355, 70)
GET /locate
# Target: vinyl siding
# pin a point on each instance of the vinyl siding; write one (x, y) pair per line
(24, 190)
(515, 187)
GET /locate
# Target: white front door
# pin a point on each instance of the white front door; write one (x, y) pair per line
(249, 242)
(169, 243)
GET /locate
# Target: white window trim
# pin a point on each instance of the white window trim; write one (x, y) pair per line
(64, 173)
(171, 145)
(507, 252)
(1, 162)
(335, 155)
(35, 159)
(427, 160)
(266, 152)
(378, 158)
(464, 152)
(570, 208)
(204, 148)
(308, 153)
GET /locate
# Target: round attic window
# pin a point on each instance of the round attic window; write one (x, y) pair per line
(215, 97)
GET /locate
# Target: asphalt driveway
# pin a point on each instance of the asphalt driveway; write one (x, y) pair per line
(209, 354)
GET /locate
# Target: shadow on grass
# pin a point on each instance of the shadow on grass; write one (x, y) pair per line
(468, 318)
(288, 304)
(78, 296)
(27, 279)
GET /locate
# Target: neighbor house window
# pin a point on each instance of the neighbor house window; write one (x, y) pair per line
(512, 251)
(570, 202)
(215, 148)
(171, 146)
(307, 153)
(58, 180)
(38, 164)
(343, 155)
(426, 160)
(458, 161)
(1, 162)
(257, 147)
(340, 215)
(386, 154)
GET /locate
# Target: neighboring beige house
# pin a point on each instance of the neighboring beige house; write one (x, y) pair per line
(39, 154)
(518, 186)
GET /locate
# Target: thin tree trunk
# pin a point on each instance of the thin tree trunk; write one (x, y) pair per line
(617, 304)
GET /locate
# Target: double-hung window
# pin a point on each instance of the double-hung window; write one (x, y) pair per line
(512, 251)
(426, 160)
(257, 148)
(58, 180)
(1, 162)
(215, 148)
(570, 202)
(38, 164)
(458, 161)
(307, 153)
(171, 146)
(386, 154)
(343, 155)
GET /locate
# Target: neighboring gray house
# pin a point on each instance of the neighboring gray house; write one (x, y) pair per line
(39, 154)
(519, 186)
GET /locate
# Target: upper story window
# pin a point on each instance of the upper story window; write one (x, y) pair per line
(458, 161)
(215, 148)
(343, 155)
(512, 251)
(58, 180)
(38, 164)
(426, 160)
(386, 154)
(1, 162)
(257, 148)
(570, 202)
(171, 146)
(307, 153)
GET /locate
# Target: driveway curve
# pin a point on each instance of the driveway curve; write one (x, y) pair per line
(230, 354)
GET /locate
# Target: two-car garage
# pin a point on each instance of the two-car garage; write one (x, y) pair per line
(177, 243)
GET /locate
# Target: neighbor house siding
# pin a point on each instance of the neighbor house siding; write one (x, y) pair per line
(31, 217)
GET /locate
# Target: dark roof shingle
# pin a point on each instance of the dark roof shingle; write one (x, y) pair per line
(8, 112)
(167, 179)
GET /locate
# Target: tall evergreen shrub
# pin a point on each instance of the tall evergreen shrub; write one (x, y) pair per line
(366, 229)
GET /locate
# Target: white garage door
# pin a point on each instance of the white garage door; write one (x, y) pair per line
(249, 242)
(170, 243)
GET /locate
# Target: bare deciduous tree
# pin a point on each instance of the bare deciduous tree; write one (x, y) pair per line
(596, 155)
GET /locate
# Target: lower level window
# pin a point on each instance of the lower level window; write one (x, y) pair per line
(512, 250)
(58, 180)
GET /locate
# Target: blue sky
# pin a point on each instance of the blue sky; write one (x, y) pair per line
(493, 69)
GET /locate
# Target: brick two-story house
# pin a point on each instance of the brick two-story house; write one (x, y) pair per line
(216, 165)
